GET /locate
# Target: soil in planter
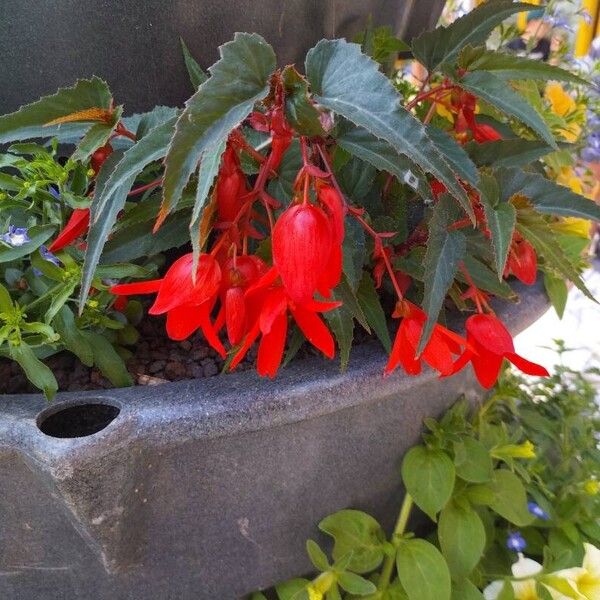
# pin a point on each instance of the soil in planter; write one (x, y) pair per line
(156, 359)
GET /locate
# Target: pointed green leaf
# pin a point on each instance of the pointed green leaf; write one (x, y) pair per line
(294, 589)
(462, 538)
(501, 218)
(355, 584)
(367, 98)
(71, 337)
(107, 360)
(317, 556)
(455, 155)
(36, 371)
(299, 110)
(237, 81)
(445, 250)
(429, 478)
(547, 196)
(485, 278)
(369, 301)
(196, 74)
(422, 570)
(354, 251)
(498, 93)
(341, 322)
(442, 45)
(28, 122)
(507, 153)
(472, 460)
(510, 499)
(558, 292)
(349, 298)
(509, 66)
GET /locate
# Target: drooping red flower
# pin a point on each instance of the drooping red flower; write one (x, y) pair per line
(99, 156)
(489, 344)
(187, 304)
(464, 105)
(439, 351)
(305, 253)
(522, 261)
(230, 186)
(76, 226)
(268, 306)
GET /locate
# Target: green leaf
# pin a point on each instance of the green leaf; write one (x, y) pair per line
(107, 360)
(509, 66)
(355, 584)
(341, 322)
(6, 304)
(368, 99)
(71, 337)
(472, 460)
(507, 153)
(557, 291)
(38, 234)
(281, 187)
(423, 571)
(510, 499)
(442, 45)
(96, 136)
(547, 196)
(195, 72)
(299, 110)
(317, 556)
(237, 81)
(369, 301)
(59, 297)
(36, 371)
(428, 476)
(485, 278)
(462, 538)
(295, 589)
(507, 592)
(455, 155)
(379, 153)
(499, 94)
(349, 298)
(29, 120)
(541, 236)
(357, 532)
(445, 250)
(501, 218)
(465, 590)
(354, 251)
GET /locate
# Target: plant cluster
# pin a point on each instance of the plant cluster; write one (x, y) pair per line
(318, 201)
(516, 476)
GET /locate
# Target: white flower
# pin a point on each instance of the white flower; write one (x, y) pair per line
(585, 579)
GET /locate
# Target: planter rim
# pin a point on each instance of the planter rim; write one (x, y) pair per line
(237, 403)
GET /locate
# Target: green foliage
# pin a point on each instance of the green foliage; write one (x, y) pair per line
(557, 417)
(196, 74)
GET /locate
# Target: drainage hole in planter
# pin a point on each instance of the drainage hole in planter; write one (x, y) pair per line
(77, 420)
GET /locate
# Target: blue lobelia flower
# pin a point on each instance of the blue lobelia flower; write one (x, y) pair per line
(537, 511)
(516, 542)
(46, 255)
(15, 236)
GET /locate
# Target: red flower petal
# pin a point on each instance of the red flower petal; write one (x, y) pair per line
(487, 368)
(270, 349)
(248, 341)
(235, 314)
(274, 306)
(490, 333)
(76, 226)
(182, 321)
(137, 287)
(302, 242)
(314, 330)
(527, 366)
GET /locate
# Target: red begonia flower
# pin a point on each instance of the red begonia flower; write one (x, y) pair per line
(230, 187)
(522, 261)
(77, 225)
(489, 344)
(484, 133)
(303, 244)
(438, 352)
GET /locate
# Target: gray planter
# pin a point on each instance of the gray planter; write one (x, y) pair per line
(209, 488)
(134, 44)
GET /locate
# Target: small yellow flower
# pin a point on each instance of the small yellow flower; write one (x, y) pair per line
(573, 226)
(524, 450)
(585, 579)
(561, 103)
(592, 487)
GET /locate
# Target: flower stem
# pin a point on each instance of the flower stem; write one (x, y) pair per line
(399, 529)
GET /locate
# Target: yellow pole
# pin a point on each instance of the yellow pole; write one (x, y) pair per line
(522, 17)
(585, 33)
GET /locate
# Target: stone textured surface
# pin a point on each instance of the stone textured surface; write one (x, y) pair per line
(209, 488)
(134, 44)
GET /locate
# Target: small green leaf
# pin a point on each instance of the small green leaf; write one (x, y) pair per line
(36, 371)
(510, 499)
(357, 532)
(29, 120)
(317, 556)
(455, 154)
(472, 460)
(462, 538)
(500, 217)
(442, 45)
(295, 589)
(509, 66)
(546, 195)
(196, 74)
(499, 94)
(429, 478)
(341, 322)
(558, 292)
(355, 584)
(367, 98)
(238, 80)
(369, 301)
(445, 250)
(423, 571)
(465, 590)
(107, 360)
(354, 251)
(6, 304)
(507, 153)
(299, 110)
(71, 337)
(38, 234)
